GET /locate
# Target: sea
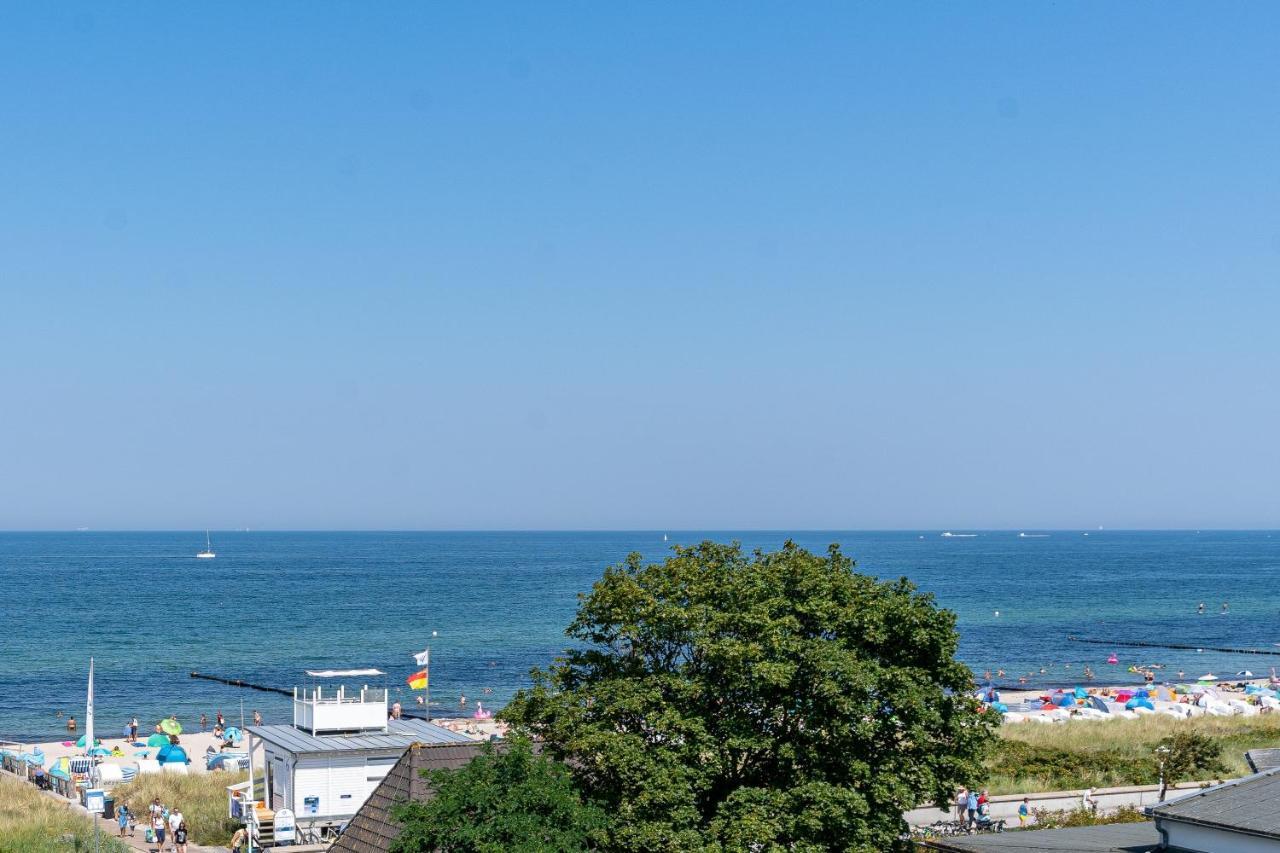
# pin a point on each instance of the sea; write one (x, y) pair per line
(492, 606)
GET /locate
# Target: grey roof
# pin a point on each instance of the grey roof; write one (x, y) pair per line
(1250, 805)
(399, 735)
(373, 829)
(1263, 759)
(1111, 838)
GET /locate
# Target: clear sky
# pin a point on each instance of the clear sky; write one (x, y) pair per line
(605, 265)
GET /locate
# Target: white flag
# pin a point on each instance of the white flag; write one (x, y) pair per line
(422, 658)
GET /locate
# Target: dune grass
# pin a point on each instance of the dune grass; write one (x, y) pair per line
(1031, 758)
(202, 797)
(31, 822)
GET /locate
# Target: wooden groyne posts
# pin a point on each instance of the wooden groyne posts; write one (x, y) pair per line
(1179, 646)
(235, 682)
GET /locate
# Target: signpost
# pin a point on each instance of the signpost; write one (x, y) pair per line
(95, 804)
(285, 828)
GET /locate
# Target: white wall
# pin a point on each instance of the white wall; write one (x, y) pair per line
(342, 782)
(1006, 805)
(1208, 840)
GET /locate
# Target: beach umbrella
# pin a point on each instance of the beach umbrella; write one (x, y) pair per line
(171, 727)
(1209, 676)
(99, 750)
(233, 734)
(1244, 673)
(158, 739)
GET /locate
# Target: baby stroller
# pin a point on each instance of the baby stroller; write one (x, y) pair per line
(984, 823)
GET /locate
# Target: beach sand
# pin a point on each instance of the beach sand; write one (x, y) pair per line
(195, 743)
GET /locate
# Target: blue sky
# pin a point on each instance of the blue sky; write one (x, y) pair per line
(585, 265)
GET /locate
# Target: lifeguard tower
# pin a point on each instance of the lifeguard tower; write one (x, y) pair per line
(321, 769)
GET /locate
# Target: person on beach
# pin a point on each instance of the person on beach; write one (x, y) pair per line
(217, 731)
(1024, 812)
(257, 718)
(133, 729)
(396, 710)
(204, 722)
(221, 722)
(71, 724)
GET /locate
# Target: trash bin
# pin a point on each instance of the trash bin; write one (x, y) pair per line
(108, 808)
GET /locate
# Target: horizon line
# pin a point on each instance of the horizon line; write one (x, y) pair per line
(667, 530)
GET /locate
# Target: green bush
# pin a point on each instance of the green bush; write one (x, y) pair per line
(1048, 819)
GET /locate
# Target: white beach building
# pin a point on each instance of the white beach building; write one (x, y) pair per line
(342, 743)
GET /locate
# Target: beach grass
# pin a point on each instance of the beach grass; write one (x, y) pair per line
(202, 797)
(31, 822)
(1030, 758)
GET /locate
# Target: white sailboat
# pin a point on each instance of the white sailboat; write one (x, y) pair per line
(207, 553)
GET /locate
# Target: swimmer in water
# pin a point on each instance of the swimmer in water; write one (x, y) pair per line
(1200, 609)
(1224, 607)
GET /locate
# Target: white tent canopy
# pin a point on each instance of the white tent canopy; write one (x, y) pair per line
(342, 673)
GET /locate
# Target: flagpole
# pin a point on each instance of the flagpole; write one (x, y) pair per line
(433, 634)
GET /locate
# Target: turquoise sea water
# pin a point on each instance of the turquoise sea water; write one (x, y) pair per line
(274, 604)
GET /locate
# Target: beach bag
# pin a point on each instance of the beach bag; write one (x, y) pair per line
(149, 836)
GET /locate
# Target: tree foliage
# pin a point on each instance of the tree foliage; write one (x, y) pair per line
(1187, 756)
(726, 701)
(507, 800)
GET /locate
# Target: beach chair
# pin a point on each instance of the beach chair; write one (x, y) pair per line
(176, 768)
(148, 765)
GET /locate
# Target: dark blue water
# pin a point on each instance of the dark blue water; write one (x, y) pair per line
(274, 604)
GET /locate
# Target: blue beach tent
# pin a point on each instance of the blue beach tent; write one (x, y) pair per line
(172, 754)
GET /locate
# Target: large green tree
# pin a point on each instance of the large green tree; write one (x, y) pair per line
(728, 701)
(508, 800)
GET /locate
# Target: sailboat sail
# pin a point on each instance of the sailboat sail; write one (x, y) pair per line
(88, 713)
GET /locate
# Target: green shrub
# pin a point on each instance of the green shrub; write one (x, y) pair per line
(1048, 819)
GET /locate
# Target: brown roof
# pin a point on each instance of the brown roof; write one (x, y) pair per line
(373, 829)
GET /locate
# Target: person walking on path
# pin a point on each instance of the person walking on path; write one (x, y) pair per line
(175, 821)
(971, 807)
(157, 828)
(238, 840)
(122, 817)
(180, 838)
(1089, 802)
(1024, 812)
(962, 799)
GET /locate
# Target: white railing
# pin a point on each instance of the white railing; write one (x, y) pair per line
(316, 709)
